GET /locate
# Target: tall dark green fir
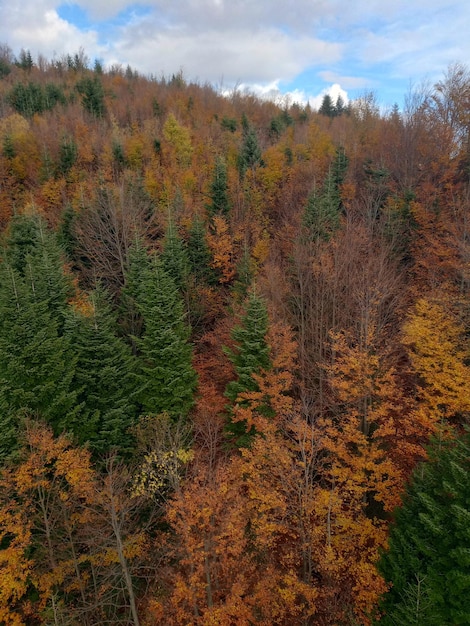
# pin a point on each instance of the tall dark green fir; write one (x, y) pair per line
(167, 378)
(428, 562)
(250, 356)
(104, 378)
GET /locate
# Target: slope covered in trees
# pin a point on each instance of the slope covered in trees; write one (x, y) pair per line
(229, 331)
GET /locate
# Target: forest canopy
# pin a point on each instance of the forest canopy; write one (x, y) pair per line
(229, 332)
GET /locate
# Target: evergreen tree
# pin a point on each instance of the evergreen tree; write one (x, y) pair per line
(220, 203)
(251, 356)
(244, 275)
(9, 151)
(33, 251)
(53, 94)
(45, 276)
(174, 256)
(339, 167)
(250, 152)
(25, 60)
(66, 238)
(67, 156)
(429, 542)
(130, 315)
(22, 238)
(5, 68)
(27, 99)
(327, 107)
(199, 254)
(36, 364)
(104, 376)
(92, 92)
(340, 107)
(167, 378)
(322, 213)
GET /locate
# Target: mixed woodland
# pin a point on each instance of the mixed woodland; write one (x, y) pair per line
(234, 353)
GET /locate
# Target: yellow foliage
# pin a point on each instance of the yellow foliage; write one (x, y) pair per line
(15, 125)
(438, 352)
(179, 138)
(260, 250)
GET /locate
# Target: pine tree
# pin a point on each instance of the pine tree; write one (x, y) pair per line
(251, 356)
(429, 541)
(104, 376)
(167, 378)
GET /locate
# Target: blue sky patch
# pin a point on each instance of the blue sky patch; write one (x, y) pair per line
(75, 15)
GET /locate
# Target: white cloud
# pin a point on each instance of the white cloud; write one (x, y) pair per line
(100, 10)
(262, 43)
(348, 82)
(39, 29)
(270, 55)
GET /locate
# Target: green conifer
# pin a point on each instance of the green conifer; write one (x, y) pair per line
(218, 194)
(174, 256)
(168, 380)
(104, 376)
(199, 254)
(251, 356)
(429, 542)
(36, 363)
(130, 315)
(322, 213)
(250, 152)
(32, 250)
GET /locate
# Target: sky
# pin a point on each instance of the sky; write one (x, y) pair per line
(293, 51)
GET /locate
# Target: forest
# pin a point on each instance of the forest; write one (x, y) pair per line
(234, 353)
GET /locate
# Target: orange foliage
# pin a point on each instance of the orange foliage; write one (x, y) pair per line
(222, 247)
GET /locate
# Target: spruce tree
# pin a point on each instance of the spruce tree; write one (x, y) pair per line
(199, 254)
(33, 251)
(130, 316)
(250, 152)
(174, 256)
(92, 92)
(323, 209)
(45, 276)
(327, 107)
(250, 356)
(244, 275)
(167, 378)
(36, 363)
(22, 238)
(429, 542)
(104, 377)
(219, 204)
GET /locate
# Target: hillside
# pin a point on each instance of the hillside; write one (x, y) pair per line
(230, 328)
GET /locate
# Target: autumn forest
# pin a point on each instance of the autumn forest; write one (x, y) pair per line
(234, 353)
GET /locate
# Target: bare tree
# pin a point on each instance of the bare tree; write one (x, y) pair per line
(107, 226)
